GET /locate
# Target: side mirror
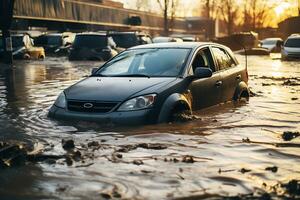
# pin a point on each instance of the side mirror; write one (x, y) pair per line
(94, 70)
(203, 72)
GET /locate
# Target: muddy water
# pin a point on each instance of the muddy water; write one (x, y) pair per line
(225, 152)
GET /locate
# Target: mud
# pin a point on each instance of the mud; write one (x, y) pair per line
(245, 150)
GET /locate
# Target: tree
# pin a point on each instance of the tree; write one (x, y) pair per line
(229, 10)
(210, 10)
(256, 13)
(168, 8)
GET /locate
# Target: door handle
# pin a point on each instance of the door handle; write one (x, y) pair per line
(219, 83)
(238, 77)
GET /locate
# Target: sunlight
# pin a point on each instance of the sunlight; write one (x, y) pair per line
(279, 10)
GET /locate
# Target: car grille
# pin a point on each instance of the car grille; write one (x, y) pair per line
(85, 106)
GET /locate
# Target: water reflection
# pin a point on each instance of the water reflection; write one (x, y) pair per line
(216, 140)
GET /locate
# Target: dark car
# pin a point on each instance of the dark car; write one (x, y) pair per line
(57, 44)
(153, 83)
(93, 46)
(130, 39)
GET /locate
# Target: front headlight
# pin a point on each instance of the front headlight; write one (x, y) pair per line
(138, 103)
(61, 100)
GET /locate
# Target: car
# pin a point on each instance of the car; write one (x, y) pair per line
(57, 44)
(161, 39)
(291, 48)
(95, 46)
(129, 39)
(273, 45)
(23, 47)
(154, 83)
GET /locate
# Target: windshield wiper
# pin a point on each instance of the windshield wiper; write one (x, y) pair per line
(132, 75)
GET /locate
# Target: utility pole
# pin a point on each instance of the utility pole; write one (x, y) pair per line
(6, 14)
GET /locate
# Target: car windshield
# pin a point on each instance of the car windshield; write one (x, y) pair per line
(160, 62)
(17, 41)
(54, 40)
(90, 41)
(293, 42)
(125, 40)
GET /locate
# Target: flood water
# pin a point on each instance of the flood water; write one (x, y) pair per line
(231, 144)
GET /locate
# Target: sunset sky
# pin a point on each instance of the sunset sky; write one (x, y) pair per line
(282, 8)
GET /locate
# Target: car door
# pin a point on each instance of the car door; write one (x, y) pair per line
(230, 72)
(206, 91)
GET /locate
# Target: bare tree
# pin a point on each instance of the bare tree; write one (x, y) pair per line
(168, 8)
(229, 10)
(209, 8)
(256, 13)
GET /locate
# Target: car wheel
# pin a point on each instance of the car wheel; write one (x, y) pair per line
(180, 114)
(244, 96)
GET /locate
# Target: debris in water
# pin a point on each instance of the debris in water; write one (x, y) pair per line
(289, 135)
(188, 159)
(273, 169)
(68, 144)
(244, 170)
(290, 82)
(138, 162)
(292, 187)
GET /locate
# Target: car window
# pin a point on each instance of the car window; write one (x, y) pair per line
(90, 41)
(202, 59)
(292, 42)
(125, 40)
(161, 62)
(223, 59)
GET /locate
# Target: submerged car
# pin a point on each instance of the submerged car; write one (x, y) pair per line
(273, 45)
(291, 48)
(57, 44)
(93, 46)
(153, 83)
(126, 40)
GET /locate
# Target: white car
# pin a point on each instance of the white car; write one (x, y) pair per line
(161, 39)
(272, 44)
(291, 48)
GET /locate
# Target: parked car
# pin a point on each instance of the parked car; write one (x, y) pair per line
(93, 46)
(57, 44)
(273, 45)
(130, 39)
(161, 39)
(153, 83)
(291, 48)
(23, 47)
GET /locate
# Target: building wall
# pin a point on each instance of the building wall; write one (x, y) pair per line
(289, 26)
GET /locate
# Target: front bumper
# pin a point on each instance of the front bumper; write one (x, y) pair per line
(138, 117)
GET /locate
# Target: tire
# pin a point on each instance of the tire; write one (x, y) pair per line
(180, 114)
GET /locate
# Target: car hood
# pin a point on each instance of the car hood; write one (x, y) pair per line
(292, 49)
(114, 88)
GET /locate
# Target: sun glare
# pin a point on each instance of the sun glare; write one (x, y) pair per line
(279, 10)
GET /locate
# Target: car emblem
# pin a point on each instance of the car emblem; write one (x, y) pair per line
(88, 105)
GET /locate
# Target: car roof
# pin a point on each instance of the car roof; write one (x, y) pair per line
(184, 45)
(93, 33)
(294, 36)
(53, 34)
(267, 39)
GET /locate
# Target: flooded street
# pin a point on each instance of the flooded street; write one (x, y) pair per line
(226, 150)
